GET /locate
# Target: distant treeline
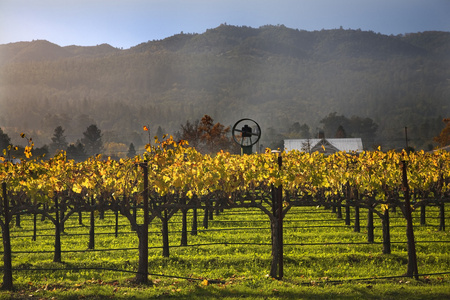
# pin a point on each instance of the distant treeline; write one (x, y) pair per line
(275, 75)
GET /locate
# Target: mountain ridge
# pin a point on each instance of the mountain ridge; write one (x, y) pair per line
(274, 74)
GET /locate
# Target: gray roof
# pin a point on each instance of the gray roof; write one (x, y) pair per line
(347, 144)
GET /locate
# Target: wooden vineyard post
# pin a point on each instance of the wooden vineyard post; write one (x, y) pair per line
(347, 213)
(357, 227)
(194, 222)
(412, 258)
(116, 229)
(276, 269)
(165, 234)
(92, 226)
(370, 236)
(442, 216)
(339, 210)
(7, 257)
(280, 223)
(211, 214)
(422, 214)
(205, 219)
(18, 221)
(184, 224)
(386, 232)
(142, 232)
(34, 227)
(57, 254)
(184, 228)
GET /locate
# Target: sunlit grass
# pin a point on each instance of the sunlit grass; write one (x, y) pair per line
(236, 250)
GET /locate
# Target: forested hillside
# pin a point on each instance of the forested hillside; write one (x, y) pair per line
(275, 75)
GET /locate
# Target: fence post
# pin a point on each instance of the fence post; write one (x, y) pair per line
(142, 231)
(183, 222)
(422, 214)
(57, 254)
(347, 213)
(357, 227)
(412, 258)
(386, 232)
(92, 225)
(34, 227)
(18, 221)
(7, 257)
(339, 210)
(184, 227)
(211, 214)
(194, 222)
(280, 221)
(370, 236)
(442, 216)
(277, 200)
(165, 234)
(116, 231)
(205, 219)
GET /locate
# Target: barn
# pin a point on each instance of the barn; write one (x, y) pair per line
(323, 145)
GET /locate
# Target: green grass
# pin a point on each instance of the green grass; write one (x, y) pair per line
(338, 269)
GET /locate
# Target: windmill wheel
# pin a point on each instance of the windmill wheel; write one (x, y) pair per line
(246, 132)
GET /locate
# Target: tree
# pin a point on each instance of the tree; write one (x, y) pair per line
(340, 133)
(332, 122)
(92, 140)
(190, 133)
(58, 141)
(357, 127)
(159, 133)
(131, 151)
(214, 136)
(297, 131)
(76, 152)
(5, 140)
(206, 136)
(444, 137)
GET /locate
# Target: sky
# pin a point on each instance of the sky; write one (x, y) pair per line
(126, 23)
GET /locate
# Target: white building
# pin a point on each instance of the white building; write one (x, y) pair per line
(323, 145)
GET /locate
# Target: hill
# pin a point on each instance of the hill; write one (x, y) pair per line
(276, 75)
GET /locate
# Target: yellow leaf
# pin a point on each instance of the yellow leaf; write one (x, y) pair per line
(77, 188)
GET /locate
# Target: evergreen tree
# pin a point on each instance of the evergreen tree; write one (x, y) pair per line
(5, 141)
(159, 133)
(58, 141)
(297, 131)
(76, 152)
(340, 133)
(131, 151)
(92, 140)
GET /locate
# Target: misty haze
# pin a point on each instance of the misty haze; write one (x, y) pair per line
(294, 83)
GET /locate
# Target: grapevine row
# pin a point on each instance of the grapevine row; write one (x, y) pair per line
(178, 177)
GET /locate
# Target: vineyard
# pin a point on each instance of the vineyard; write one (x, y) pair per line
(215, 219)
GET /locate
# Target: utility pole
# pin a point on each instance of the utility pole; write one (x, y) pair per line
(406, 137)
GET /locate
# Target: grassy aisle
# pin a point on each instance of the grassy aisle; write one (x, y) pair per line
(323, 259)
